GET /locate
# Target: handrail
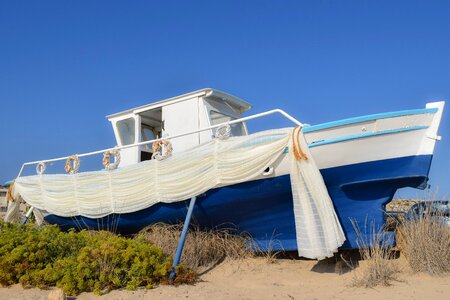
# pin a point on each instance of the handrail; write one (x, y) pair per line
(263, 114)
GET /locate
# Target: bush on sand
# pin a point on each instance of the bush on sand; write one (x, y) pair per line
(78, 261)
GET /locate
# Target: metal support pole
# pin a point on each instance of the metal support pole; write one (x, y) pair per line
(177, 258)
(29, 212)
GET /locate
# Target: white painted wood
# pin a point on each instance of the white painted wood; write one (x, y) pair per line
(432, 135)
(188, 112)
(380, 147)
(373, 148)
(204, 121)
(207, 92)
(370, 126)
(129, 156)
(181, 117)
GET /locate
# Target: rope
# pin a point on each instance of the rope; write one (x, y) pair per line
(157, 149)
(296, 148)
(40, 168)
(72, 164)
(10, 192)
(223, 132)
(106, 161)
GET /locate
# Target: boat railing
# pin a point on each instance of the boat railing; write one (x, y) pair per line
(256, 116)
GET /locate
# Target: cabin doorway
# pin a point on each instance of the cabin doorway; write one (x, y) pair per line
(151, 127)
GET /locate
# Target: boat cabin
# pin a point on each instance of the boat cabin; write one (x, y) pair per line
(174, 116)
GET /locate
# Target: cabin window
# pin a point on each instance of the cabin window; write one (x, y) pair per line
(126, 131)
(216, 118)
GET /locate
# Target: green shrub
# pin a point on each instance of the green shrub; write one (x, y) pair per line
(78, 261)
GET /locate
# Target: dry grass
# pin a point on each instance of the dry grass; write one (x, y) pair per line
(378, 266)
(202, 249)
(267, 250)
(425, 241)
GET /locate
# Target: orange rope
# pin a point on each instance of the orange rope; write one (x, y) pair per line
(9, 193)
(72, 164)
(157, 146)
(303, 155)
(296, 148)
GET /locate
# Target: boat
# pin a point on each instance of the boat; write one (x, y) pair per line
(362, 161)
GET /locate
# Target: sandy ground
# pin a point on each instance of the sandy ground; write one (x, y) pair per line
(256, 278)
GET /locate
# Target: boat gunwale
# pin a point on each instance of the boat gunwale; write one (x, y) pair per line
(365, 118)
(364, 135)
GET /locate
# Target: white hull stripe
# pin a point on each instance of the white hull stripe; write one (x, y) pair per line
(369, 118)
(363, 135)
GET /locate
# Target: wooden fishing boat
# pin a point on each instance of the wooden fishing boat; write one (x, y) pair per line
(363, 161)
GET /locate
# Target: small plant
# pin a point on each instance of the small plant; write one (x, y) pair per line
(269, 254)
(377, 254)
(424, 237)
(80, 261)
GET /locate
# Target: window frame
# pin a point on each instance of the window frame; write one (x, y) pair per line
(119, 132)
(232, 117)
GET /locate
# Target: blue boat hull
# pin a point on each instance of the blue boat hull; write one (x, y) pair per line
(264, 208)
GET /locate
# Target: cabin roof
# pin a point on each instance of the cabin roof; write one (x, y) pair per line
(206, 93)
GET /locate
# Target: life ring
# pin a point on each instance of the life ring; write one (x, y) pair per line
(157, 149)
(223, 132)
(107, 159)
(72, 164)
(40, 168)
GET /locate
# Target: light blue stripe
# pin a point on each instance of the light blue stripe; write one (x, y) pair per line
(364, 135)
(8, 183)
(369, 118)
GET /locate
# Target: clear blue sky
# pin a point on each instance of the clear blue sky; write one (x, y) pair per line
(64, 65)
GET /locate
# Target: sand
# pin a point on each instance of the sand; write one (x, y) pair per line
(257, 278)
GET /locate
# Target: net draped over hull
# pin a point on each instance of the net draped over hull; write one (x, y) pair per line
(190, 173)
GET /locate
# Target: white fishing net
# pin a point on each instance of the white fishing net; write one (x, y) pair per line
(190, 173)
(316, 223)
